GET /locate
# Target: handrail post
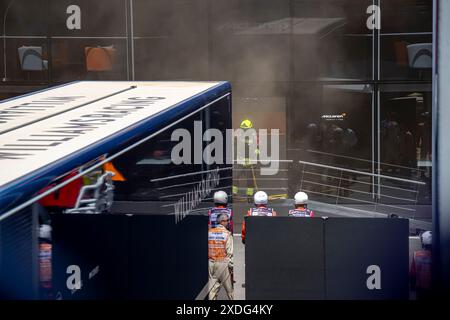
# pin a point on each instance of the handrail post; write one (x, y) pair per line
(339, 188)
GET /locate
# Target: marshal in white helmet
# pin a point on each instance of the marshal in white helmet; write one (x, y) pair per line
(420, 273)
(301, 206)
(220, 207)
(261, 200)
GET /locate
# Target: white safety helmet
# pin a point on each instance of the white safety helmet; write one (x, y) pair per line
(301, 198)
(426, 238)
(220, 197)
(260, 198)
(45, 232)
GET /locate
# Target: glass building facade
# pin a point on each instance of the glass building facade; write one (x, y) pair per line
(352, 102)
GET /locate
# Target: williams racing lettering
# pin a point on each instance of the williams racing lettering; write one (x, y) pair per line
(22, 111)
(16, 111)
(193, 198)
(73, 128)
(40, 143)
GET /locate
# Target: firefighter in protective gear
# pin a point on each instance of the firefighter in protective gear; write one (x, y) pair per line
(301, 206)
(246, 124)
(245, 169)
(421, 268)
(220, 254)
(260, 209)
(221, 202)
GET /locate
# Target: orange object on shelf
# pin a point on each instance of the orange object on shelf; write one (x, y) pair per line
(100, 58)
(401, 53)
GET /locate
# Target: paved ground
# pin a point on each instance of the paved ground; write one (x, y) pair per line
(239, 269)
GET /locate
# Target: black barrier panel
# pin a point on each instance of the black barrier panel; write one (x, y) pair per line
(18, 255)
(93, 248)
(129, 256)
(366, 258)
(284, 258)
(168, 260)
(192, 257)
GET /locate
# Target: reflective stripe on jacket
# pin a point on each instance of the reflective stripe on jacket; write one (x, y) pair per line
(307, 213)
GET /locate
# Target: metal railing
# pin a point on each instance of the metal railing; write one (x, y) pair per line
(359, 189)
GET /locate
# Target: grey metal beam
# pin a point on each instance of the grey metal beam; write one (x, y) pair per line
(441, 146)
